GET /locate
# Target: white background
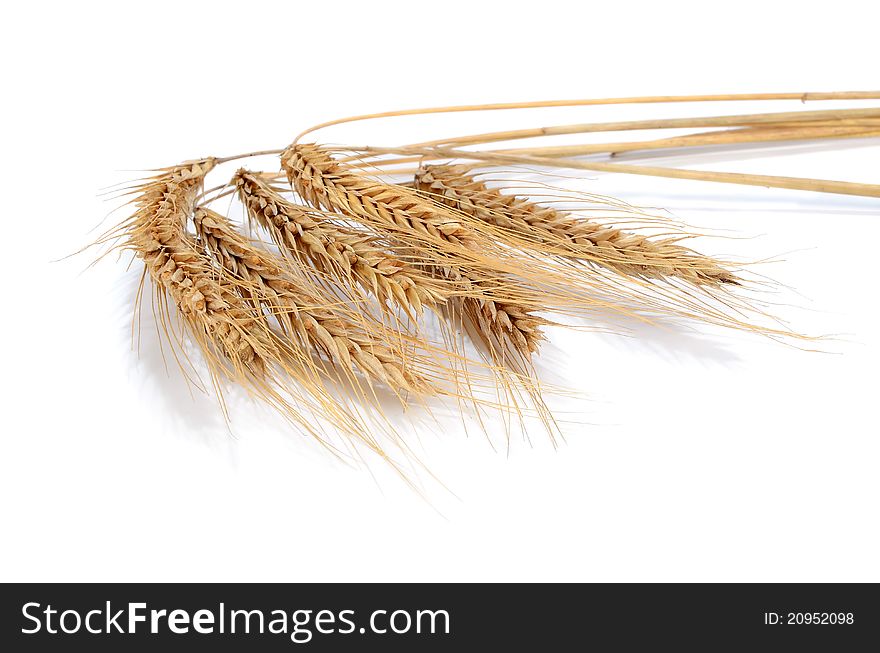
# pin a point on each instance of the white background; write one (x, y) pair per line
(708, 457)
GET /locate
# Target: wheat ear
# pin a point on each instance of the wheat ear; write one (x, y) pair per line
(305, 315)
(217, 318)
(235, 339)
(624, 252)
(418, 223)
(342, 253)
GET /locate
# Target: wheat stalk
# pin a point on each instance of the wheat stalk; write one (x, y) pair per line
(316, 326)
(761, 133)
(801, 118)
(584, 102)
(625, 252)
(535, 158)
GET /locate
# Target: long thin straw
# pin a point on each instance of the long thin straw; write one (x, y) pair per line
(725, 137)
(663, 123)
(655, 99)
(792, 183)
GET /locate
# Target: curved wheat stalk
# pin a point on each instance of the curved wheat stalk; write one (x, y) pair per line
(302, 329)
(657, 99)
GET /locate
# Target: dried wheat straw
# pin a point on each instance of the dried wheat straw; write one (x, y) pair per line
(581, 102)
(470, 252)
(536, 159)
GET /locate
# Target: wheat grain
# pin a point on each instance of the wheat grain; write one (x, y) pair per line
(233, 334)
(342, 253)
(326, 183)
(444, 245)
(342, 340)
(625, 252)
(157, 234)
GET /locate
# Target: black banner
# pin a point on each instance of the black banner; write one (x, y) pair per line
(435, 617)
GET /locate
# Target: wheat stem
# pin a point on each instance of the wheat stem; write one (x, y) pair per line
(770, 181)
(652, 99)
(727, 137)
(742, 120)
(758, 134)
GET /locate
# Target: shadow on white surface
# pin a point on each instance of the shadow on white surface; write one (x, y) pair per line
(744, 151)
(156, 373)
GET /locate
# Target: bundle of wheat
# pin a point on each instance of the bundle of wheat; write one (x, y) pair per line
(331, 317)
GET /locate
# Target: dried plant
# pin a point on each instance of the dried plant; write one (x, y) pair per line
(502, 316)
(349, 341)
(495, 308)
(560, 232)
(498, 267)
(259, 325)
(344, 254)
(237, 342)
(157, 234)
(328, 322)
(330, 184)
